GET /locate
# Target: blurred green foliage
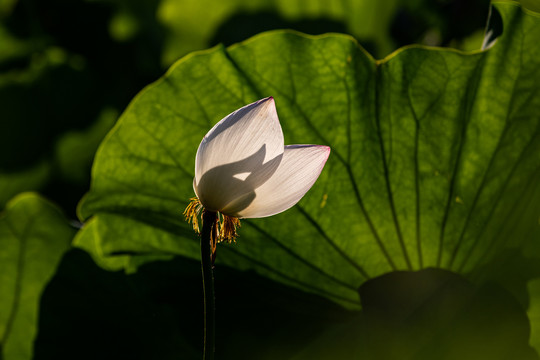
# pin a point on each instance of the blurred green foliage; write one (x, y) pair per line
(61, 74)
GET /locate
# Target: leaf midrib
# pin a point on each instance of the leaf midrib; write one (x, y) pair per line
(23, 240)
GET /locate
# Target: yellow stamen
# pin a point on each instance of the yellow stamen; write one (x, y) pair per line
(228, 227)
(192, 213)
(224, 228)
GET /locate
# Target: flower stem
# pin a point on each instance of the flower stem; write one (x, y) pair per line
(209, 223)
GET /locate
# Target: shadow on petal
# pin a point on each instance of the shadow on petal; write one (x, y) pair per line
(221, 189)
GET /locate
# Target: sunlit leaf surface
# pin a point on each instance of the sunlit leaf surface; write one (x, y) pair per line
(435, 158)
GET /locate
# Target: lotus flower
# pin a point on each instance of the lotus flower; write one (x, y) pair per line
(244, 170)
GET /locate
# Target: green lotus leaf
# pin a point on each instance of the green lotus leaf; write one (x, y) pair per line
(34, 235)
(435, 157)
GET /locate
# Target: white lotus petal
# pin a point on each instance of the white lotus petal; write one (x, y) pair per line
(240, 135)
(298, 170)
(220, 186)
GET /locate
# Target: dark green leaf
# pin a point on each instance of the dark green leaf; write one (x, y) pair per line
(534, 312)
(33, 237)
(429, 314)
(89, 313)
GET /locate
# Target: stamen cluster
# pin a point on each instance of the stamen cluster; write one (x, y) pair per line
(225, 225)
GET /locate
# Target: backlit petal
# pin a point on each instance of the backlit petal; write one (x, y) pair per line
(252, 131)
(298, 170)
(235, 182)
